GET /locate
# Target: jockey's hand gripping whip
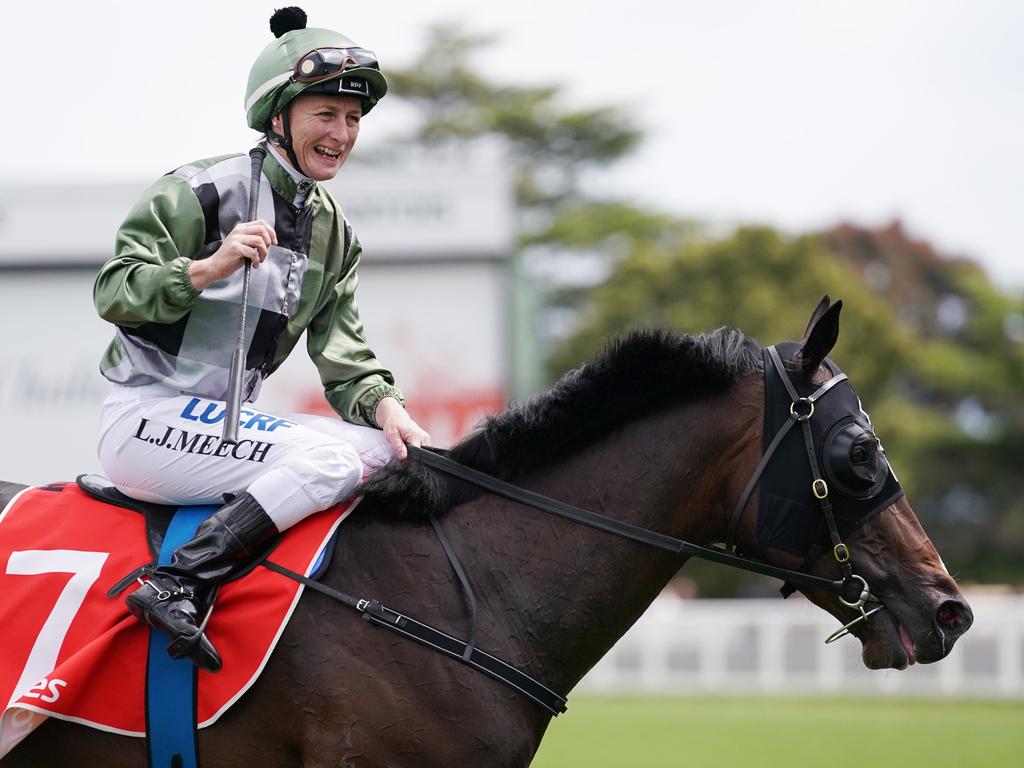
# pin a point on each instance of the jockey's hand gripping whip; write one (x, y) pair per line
(234, 401)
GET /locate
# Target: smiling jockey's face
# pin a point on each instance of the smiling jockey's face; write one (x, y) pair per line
(324, 129)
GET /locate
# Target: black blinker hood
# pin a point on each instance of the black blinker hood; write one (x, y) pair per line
(789, 516)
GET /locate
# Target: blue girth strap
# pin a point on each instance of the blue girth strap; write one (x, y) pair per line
(171, 683)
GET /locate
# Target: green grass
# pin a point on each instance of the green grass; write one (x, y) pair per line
(658, 732)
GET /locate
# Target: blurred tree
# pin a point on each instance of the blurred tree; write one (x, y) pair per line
(957, 407)
(549, 145)
(936, 350)
(567, 237)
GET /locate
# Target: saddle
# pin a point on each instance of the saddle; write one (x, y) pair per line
(158, 518)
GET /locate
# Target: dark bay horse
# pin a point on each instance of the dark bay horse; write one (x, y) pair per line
(662, 430)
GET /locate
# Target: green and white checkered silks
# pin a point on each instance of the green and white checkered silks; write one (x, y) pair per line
(270, 87)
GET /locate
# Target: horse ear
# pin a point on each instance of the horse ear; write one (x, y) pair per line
(816, 316)
(819, 338)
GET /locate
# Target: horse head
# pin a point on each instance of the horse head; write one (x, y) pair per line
(829, 504)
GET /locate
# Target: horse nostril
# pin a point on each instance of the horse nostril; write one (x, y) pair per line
(954, 616)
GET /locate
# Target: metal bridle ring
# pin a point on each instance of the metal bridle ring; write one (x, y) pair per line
(802, 416)
(865, 595)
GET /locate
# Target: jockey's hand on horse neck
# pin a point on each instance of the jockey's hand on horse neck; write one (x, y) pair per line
(398, 426)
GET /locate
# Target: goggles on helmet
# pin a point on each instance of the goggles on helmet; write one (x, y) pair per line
(324, 63)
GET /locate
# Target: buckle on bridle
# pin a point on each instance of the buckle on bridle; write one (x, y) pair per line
(820, 489)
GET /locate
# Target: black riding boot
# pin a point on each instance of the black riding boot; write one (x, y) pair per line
(176, 598)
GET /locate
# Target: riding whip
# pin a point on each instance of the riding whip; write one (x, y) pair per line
(234, 401)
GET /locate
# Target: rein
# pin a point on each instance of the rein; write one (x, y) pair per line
(852, 590)
(610, 525)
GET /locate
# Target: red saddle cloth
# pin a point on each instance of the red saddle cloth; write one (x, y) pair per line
(71, 652)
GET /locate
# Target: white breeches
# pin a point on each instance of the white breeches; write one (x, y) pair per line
(159, 445)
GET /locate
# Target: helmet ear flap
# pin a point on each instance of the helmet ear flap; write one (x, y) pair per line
(284, 138)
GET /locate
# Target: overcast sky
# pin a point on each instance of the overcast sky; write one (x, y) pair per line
(797, 113)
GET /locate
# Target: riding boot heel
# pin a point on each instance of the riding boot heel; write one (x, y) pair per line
(198, 649)
(177, 598)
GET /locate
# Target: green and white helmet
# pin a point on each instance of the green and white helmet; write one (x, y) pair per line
(303, 60)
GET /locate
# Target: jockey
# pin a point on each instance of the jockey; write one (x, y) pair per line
(173, 289)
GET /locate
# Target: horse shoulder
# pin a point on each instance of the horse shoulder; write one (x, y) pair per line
(360, 690)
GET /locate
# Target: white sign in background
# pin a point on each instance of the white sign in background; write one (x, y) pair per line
(439, 327)
(50, 387)
(423, 209)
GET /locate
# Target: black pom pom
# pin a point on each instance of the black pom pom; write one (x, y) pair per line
(287, 19)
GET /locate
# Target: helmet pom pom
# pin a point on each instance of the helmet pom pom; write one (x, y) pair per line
(287, 20)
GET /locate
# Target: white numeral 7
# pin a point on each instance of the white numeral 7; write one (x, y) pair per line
(85, 568)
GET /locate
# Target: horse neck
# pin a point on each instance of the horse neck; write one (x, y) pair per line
(560, 594)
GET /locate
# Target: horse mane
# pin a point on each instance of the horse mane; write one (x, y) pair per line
(648, 370)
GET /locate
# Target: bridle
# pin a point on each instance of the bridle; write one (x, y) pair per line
(852, 590)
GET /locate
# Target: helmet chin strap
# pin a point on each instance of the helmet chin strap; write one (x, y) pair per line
(285, 141)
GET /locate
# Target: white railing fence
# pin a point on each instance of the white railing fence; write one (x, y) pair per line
(776, 646)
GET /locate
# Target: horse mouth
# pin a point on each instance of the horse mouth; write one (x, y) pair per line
(887, 644)
(907, 643)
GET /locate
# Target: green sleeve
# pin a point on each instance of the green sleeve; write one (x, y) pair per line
(147, 279)
(354, 381)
